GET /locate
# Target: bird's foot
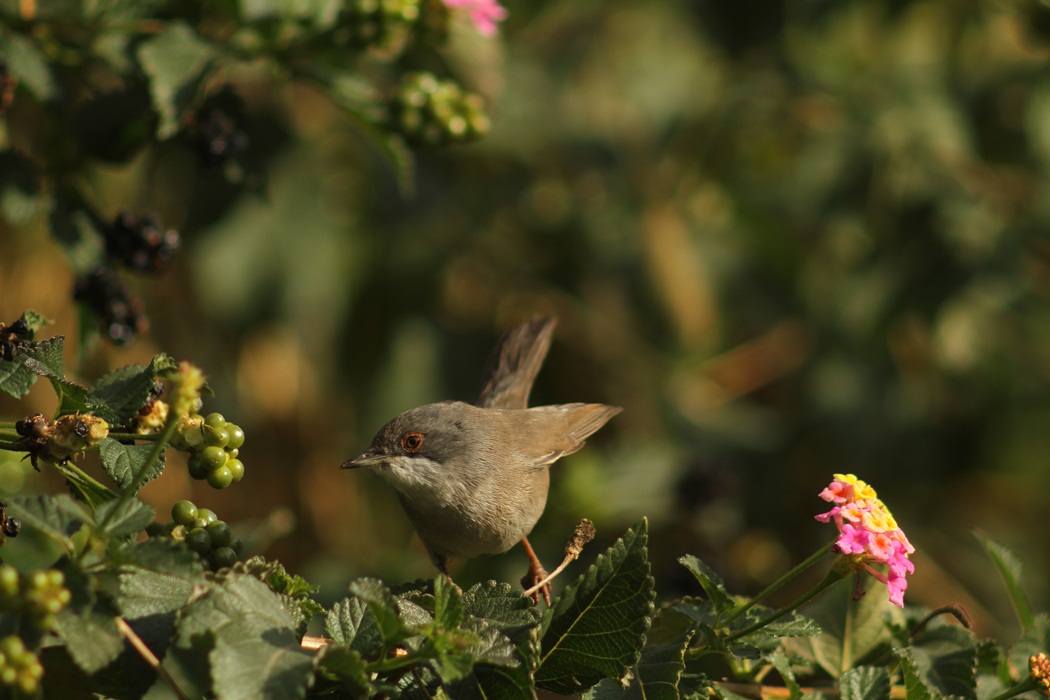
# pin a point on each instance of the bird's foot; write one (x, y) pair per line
(535, 576)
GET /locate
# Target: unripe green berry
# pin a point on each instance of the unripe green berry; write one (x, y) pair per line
(223, 557)
(220, 534)
(236, 468)
(8, 675)
(184, 512)
(12, 647)
(217, 437)
(236, 544)
(9, 584)
(198, 468)
(236, 436)
(213, 457)
(215, 420)
(199, 540)
(220, 478)
(207, 515)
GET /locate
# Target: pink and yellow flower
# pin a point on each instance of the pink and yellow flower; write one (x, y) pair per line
(484, 13)
(868, 533)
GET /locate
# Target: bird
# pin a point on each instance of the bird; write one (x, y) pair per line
(473, 478)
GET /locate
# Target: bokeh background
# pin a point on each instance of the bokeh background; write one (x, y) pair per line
(790, 238)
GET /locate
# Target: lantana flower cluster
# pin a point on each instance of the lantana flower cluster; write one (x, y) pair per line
(483, 13)
(868, 533)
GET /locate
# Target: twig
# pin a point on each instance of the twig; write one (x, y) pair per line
(147, 654)
(310, 643)
(583, 534)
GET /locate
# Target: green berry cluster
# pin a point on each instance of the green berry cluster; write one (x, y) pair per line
(379, 23)
(19, 667)
(213, 444)
(41, 594)
(205, 534)
(434, 112)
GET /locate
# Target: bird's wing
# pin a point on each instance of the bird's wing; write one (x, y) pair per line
(514, 364)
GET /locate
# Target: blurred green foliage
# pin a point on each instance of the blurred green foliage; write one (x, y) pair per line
(789, 238)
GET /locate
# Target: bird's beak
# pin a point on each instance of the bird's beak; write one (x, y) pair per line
(368, 459)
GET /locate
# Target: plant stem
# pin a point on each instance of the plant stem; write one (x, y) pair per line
(832, 578)
(780, 582)
(1024, 686)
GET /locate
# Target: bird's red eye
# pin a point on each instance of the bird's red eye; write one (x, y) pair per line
(412, 442)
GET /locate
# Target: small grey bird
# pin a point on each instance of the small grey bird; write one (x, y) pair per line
(473, 479)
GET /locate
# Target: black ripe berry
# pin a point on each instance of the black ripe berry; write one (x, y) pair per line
(140, 243)
(122, 315)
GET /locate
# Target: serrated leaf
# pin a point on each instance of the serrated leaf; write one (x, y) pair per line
(448, 604)
(782, 664)
(865, 683)
(502, 605)
(15, 378)
(914, 687)
(87, 625)
(120, 519)
(87, 489)
(710, 581)
(596, 627)
(34, 321)
(654, 677)
(27, 63)
(122, 461)
(163, 365)
(161, 555)
(351, 624)
(57, 516)
(256, 654)
(144, 593)
(118, 396)
(72, 397)
(46, 357)
(946, 656)
(383, 607)
(851, 629)
(1033, 641)
(1009, 568)
(176, 61)
(348, 666)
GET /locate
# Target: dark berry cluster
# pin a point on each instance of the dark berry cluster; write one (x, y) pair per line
(205, 534)
(60, 440)
(122, 314)
(20, 668)
(40, 595)
(140, 243)
(13, 338)
(436, 112)
(218, 136)
(213, 444)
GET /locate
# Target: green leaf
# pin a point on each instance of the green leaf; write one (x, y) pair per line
(914, 687)
(655, 676)
(176, 61)
(15, 378)
(87, 625)
(351, 624)
(782, 664)
(1033, 641)
(448, 604)
(596, 627)
(1009, 568)
(865, 683)
(946, 657)
(144, 593)
(710, 581)
(46, 358)
(161, 555)
(383, 607)
(87, 489)
(122, 461)
(28, 64)
(133, 516)
(256, 653)
(34, 321)
(56, 516)
(502, 605)
(118, 396)
(348, 666)
(851, 629)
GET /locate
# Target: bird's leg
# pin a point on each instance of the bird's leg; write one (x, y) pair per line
(536, 574)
